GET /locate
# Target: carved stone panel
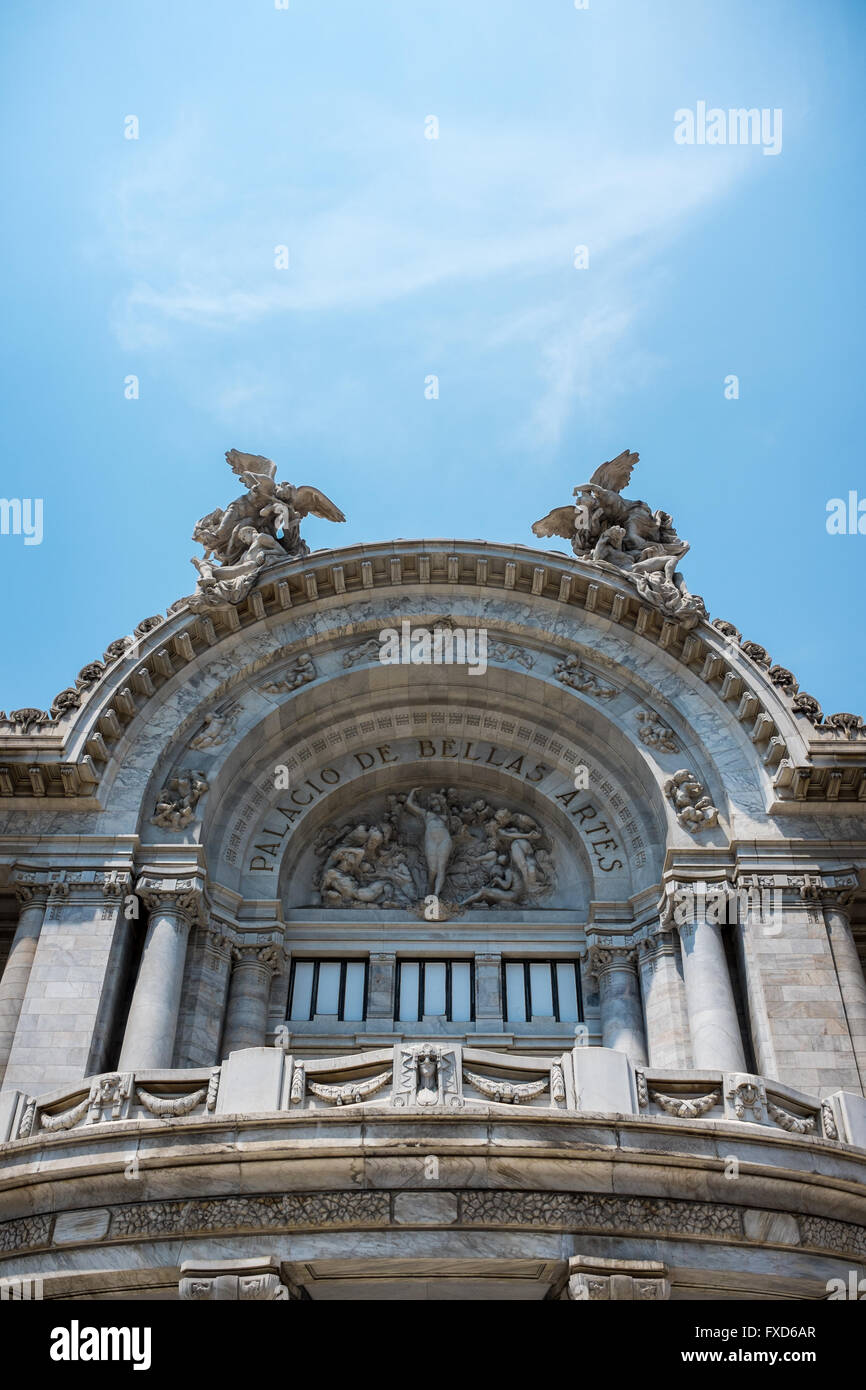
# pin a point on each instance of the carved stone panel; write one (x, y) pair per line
(465, 851)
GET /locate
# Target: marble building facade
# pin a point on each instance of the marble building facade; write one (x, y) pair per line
(329, 976)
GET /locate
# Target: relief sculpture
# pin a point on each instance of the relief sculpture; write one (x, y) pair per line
(468, 853)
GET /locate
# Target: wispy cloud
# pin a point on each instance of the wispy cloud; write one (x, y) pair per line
(502, 206)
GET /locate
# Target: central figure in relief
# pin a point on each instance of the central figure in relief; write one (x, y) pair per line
(468, 853)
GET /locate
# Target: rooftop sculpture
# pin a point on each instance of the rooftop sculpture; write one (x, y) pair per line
(624, 533)
(257, 529)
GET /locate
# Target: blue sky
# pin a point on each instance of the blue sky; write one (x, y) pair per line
(409, 257)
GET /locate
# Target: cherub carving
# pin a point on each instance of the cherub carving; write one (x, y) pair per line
(176, 803)
(694, 809)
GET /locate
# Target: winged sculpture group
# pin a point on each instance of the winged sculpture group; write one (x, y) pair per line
(255, 530)
(262, 527)
(625, 534)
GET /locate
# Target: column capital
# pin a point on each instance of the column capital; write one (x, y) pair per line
(602, 959)
(30, 886)
(182, 895)
(831, 890)
(216, 937)
(32, 883)
(270, 956)
(687, 901)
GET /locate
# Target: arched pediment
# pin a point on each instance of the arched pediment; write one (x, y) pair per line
(734, 719)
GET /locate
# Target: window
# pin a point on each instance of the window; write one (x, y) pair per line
(435, 989)
(535, 989)
(328, 988)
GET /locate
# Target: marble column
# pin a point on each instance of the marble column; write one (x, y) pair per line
(852, 984)
(664, 993)
(32, 898)
(148, 1041)
(717, 1044)
(249, 991)
(622, 1024)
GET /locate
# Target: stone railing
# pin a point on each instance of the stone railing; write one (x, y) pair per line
(127, 1095)
(436, 1078)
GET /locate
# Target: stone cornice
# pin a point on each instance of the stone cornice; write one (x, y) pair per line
(740, 673)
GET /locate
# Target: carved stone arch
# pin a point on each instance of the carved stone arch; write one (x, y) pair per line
(100, 745)
(714, 744)
(240, 773)
(623, 782)
(228, 849)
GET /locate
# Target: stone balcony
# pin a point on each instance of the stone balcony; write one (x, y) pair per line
(428, 1162)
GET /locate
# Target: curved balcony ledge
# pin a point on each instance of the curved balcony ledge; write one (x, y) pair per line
(259, 1165)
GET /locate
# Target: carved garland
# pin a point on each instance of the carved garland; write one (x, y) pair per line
(686, 1107)
(66, 1119)
(794, 1124)
(350, 1092)
(506, 1092)
(170, 1105)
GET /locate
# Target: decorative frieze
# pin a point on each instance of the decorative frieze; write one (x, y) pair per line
(640, 1217)
(187, 643)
